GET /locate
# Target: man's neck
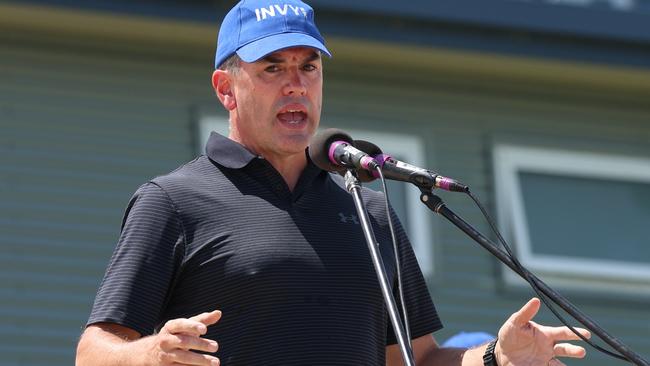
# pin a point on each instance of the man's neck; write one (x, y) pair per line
(290, 168)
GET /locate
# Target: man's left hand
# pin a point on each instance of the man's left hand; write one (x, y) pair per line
(523, 342)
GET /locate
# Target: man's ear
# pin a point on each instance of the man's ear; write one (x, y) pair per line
(223, 87)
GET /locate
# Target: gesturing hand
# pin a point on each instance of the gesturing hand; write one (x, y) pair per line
(174, 343)
(523, 342)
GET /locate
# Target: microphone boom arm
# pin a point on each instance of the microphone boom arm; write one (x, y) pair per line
(435, 204)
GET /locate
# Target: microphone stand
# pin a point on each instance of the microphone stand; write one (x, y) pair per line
(435, 204)
(354, 187)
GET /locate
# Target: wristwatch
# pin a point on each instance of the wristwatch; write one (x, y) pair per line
(488, 356)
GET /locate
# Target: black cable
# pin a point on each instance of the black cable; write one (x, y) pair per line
(533, 282)
(398, 269)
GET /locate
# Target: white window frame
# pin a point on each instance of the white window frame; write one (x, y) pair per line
(208, 124)
(407, 147)
(584, 273)
(410, 148)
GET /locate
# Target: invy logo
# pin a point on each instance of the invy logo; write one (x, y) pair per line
(263, 13)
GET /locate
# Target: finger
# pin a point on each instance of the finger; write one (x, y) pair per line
(569, 350)
(191, 358)
(198, 344)
(185, 342)
(184, 326)
(208, 318)
(564, 333)
(526, 313)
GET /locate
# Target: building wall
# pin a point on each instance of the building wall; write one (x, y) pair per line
(88, 114)
(462, 114)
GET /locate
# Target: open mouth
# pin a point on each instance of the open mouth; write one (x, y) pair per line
(292, 116)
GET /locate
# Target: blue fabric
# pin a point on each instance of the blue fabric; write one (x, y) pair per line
(468, 339)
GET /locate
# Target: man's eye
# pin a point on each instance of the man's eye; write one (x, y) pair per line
(272, 68)
(309, 67)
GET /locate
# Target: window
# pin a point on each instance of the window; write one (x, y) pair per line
(405, 198)
(207, 124)
(577, 219)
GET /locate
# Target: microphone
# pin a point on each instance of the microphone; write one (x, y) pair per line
(423, 178)
(333, 150)
(371, 149)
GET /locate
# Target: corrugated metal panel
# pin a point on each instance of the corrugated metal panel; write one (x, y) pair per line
(81, 129)
(461, 118)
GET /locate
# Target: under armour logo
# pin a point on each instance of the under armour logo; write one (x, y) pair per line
(345, 219)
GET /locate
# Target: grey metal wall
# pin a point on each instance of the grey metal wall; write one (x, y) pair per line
(462, 117)
(82, 126)
(83, 122)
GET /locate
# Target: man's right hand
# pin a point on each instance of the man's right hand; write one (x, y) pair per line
(113, 344)
(174, 343)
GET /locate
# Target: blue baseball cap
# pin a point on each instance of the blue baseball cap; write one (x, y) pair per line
(255, 28)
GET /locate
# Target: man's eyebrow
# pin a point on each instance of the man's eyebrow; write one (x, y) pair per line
(275, 59)
(313, 57)
(272, 58)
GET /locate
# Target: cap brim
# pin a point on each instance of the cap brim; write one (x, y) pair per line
(261, 47)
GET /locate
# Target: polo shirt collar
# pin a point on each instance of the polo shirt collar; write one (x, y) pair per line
(231, 154)
(227, 153)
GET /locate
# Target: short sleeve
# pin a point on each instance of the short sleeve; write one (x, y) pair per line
(143, 266)
(422, 315)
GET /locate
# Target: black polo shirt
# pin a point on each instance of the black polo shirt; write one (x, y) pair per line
(290, 271)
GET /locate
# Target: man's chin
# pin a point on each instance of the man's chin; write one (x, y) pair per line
(295, 144)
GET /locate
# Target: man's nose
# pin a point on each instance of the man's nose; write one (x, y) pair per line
(295, 84)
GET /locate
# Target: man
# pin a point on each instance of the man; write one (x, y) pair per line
(253, 229)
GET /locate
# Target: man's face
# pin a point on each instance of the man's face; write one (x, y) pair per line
(278, 102)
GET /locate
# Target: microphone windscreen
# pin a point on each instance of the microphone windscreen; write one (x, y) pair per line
(320, 145)
(370, 149)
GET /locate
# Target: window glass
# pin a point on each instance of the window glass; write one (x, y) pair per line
(396, 194)
(405, 197)
(577, 218)
(587, 217)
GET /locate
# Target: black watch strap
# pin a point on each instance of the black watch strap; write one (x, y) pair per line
(488, 357)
